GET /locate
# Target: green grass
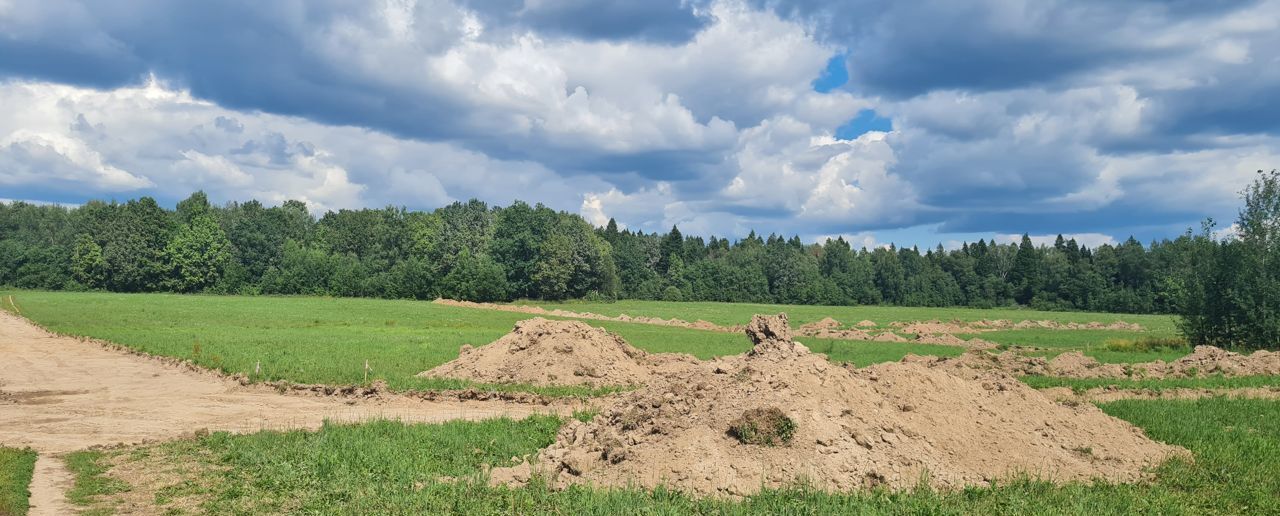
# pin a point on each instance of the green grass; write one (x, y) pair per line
(740, 313)
(89, 469)
(1054, 339)
(1091, 342)
(393, 468)
(327, 340)
(16, 467)
(1155, 384)
(317, 340)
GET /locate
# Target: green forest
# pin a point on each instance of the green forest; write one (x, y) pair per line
(477, 252)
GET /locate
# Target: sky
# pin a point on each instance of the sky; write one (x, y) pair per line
(915, 122)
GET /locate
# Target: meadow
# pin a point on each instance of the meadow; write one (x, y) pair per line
(392, 467)
(739, 313)
(388, 467)
(328, 340)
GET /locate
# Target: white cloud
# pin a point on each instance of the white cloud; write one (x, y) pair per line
(153, 139)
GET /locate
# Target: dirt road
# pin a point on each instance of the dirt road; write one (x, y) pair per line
(59, 394)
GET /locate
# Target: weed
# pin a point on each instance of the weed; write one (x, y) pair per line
(763, 426)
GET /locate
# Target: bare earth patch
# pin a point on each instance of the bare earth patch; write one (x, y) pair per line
(894, 425)
(62, 394)
(546, 352)
(1203, 361)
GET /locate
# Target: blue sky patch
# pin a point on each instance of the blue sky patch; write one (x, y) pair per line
(833, 76)
(866, 121)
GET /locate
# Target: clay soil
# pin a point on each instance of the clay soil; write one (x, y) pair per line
(893, 425)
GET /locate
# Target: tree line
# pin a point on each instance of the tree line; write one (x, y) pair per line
(469, 250)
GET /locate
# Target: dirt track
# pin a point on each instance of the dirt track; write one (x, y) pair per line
(59, 394)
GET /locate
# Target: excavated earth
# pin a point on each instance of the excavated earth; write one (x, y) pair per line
(546, 352)
(1203, 361)
(895, 425)
(926, 332)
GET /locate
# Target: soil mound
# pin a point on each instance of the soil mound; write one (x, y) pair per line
(1203, 361)
(826, 323)
(546, 352)
(866, 324)
(1009, 362)
(889, 336)
(838, 428)
(1210, 360)
(1075, 364)
(935, 327)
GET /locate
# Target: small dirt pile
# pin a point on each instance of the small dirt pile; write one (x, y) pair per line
(1008, 362)
(839, 428)
(1203, 361)
(935, 327)
(866, 324)
(826, 323)
(545, 352)
(1210, 360)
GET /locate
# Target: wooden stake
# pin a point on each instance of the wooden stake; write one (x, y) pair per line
(366, 370)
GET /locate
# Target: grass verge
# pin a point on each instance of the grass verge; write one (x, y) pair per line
(16, 468)
(386, 467)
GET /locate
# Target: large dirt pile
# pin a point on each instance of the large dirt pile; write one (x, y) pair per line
(891, 424)
(546, 352)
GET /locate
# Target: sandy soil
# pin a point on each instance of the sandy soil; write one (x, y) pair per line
(1203, 361)
(59, 394)
(48, 487)
(539, 351)
(926, 332)
(885, 425)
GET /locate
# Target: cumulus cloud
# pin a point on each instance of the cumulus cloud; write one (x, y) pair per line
(157, 140)
(1081, 116)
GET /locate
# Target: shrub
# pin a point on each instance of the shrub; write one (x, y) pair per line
(763, 426)
(672, 294)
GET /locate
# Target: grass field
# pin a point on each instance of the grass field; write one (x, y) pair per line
(740, 313)
(1090, 342)
(328, 340)
(386, 467)
(15, 474)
